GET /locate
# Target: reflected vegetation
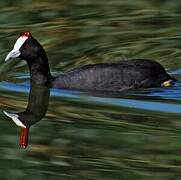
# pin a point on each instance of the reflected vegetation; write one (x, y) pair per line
(92, 136)
(86, 136)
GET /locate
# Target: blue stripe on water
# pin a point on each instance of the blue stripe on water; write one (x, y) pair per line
(82, 97)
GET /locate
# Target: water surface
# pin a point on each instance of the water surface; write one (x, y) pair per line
(135, 135)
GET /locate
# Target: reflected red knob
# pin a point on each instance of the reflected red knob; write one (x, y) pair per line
(23, 138)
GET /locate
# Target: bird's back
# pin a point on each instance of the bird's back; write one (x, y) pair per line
(114, 76)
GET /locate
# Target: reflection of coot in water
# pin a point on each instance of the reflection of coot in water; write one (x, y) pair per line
(131, 74)
(35, 111)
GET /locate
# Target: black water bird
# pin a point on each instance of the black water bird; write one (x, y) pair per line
(128, 74)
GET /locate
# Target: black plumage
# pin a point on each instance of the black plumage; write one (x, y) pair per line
(129, 74)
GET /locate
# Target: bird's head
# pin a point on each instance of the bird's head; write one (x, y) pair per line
(25, 47)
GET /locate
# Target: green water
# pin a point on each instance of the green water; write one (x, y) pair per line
(136, 135)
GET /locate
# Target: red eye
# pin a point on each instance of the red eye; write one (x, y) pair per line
(27, 46)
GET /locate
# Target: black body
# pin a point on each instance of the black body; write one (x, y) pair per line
(125, 75)
(137, 73)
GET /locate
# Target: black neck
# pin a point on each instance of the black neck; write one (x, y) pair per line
(39, 70)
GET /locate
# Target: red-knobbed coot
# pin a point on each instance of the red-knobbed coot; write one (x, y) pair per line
(128, 74)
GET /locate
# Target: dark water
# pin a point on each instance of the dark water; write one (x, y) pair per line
(136, 135)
